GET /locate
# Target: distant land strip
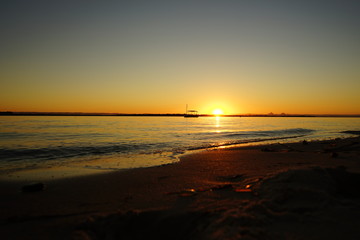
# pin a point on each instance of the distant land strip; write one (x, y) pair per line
(10, 113)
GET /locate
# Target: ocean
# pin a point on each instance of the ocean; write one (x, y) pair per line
(74, 145)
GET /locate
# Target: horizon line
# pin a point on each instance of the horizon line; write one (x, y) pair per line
(35, 113)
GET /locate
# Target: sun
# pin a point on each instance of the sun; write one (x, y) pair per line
(218, 112)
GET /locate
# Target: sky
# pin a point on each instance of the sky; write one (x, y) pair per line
(240, 56)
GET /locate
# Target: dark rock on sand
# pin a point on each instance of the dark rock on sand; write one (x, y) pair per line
(33, 187)
(352, 132)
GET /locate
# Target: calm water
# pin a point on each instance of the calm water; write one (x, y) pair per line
(111, 143)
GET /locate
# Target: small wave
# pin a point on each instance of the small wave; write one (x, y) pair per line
(253, 134)
(282, 132)
(238, 142)
(65, 152)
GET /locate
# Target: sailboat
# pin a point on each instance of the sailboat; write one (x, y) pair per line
(191, 113)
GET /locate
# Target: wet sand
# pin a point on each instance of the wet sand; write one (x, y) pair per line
(282, 191)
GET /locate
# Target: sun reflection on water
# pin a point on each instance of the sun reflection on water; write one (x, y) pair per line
(217, 124)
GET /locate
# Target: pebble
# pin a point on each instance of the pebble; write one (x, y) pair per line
(33, 187)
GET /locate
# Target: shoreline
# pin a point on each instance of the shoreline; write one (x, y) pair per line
(89, 114)
(208, 184)
(54, 173)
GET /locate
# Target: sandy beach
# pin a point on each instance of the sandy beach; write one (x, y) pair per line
(306, 190)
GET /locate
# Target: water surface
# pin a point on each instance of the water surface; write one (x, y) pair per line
(71, 145)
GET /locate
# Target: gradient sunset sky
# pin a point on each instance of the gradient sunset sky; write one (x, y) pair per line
(242, 56)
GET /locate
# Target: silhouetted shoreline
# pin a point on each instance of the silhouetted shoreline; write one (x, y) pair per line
(10, 113)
